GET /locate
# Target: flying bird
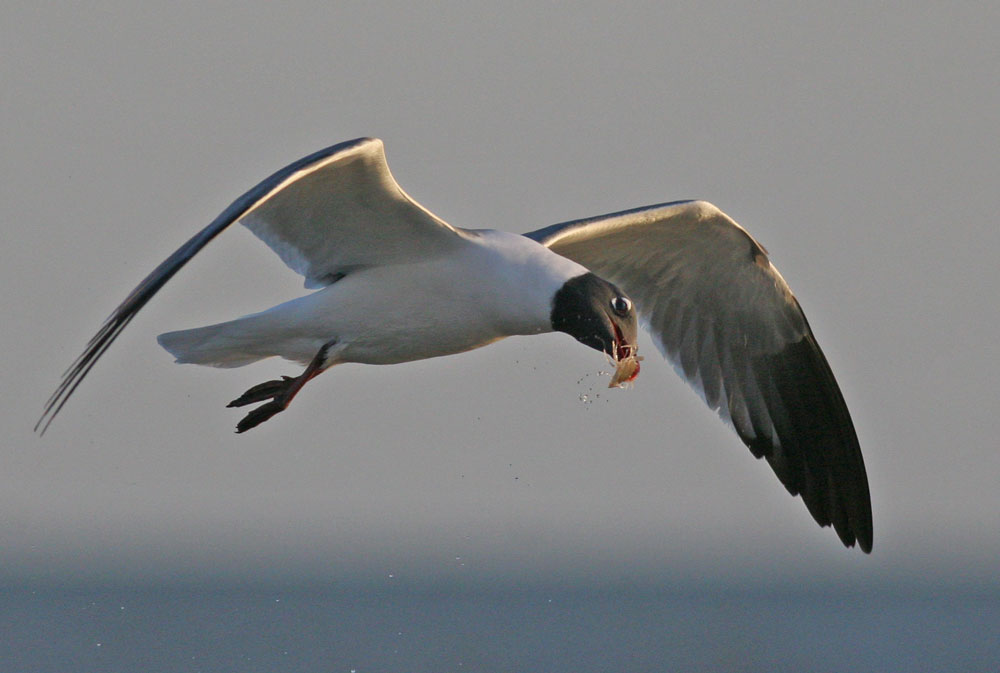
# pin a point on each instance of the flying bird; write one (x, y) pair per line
(395, 283)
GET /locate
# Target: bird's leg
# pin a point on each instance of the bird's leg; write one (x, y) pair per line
(280, 392)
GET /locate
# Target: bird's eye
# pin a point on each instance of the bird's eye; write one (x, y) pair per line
(621, 305)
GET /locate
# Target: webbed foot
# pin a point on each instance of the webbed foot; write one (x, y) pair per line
(280, 392)
(261, 392)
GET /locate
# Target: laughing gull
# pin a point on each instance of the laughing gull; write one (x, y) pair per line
(395, 283)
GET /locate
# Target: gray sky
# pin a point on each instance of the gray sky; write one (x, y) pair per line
(859, 145)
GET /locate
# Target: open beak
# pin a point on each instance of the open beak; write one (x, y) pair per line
(623, 349)
(626, 360)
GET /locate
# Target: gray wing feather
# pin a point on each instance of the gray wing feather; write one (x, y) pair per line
(725, 318)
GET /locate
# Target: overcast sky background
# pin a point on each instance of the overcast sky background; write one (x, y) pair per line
(858, 144)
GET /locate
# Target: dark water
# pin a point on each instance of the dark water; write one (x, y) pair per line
(545, 628)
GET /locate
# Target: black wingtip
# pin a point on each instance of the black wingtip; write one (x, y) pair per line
(817, 454)
(77, 371)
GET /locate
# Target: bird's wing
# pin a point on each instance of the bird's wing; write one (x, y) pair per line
(327, 214)
(342, 210)
(722, 314)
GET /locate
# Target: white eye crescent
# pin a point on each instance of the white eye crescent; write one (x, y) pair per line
(621, 305)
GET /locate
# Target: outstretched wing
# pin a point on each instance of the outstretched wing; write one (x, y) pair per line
(343, 211)
(327, 214)
(723, 315)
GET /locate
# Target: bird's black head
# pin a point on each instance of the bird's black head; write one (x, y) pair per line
(596, 313)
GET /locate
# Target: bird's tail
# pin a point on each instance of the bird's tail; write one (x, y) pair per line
(227, 344)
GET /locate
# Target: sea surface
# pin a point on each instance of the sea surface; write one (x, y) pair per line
(508, 626)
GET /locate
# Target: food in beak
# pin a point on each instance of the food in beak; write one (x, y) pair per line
(626, 370)
(626, 361)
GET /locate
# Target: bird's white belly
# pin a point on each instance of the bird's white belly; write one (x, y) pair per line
(392, 314)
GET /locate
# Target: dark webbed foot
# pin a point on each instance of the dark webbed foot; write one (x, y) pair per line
(260, 414)
(280, 392)
(261, 392)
